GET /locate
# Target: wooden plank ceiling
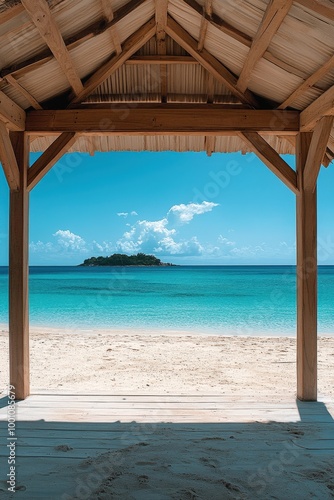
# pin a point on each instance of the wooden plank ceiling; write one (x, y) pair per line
(164, 28)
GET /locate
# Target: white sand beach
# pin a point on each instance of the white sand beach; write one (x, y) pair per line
(264, 451)
(166, 362)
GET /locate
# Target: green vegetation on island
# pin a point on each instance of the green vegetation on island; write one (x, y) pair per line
(119, 259)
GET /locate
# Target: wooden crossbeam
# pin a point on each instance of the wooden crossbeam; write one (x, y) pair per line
(41, 16)
(30, 98)
(8, 159)
(161, 59)
(323, 106)
(208, 61)
(50, 156)
(323, 7)
(159, 119)
(161, 8)
(130, 46)
(272, 20)
(317, 151)
(308, 83)
(11, 113)
(109, 15)
(271, 158)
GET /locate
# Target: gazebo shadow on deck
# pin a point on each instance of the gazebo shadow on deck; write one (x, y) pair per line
(164, 450)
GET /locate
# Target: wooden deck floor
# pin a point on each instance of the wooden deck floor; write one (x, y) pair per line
(169, 447)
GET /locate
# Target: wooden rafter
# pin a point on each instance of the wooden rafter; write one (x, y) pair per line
(219, 23)
(41, 16)
(130, 46)
(160, 119)
(11, 113)
(30, 98)
(10, 13)
(208, 61)
(8, 159)
(308, 83)
(323, 106)
(272, 20)
(323, 7)
(50, 156)
(204, 23)
(317, 151)
(109, 15)
(73, 41)
(271, 158)
(161, 8)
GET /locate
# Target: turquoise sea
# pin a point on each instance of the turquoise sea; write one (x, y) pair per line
(239, 300)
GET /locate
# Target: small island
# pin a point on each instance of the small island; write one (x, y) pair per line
(119, 259)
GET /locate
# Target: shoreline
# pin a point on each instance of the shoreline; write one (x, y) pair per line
(148, 331)
(167, 363)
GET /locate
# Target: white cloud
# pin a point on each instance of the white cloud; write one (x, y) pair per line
(41, 247)
(105, 247)
(70, 241)
(185, 213)
(225, 242)
(125, 214)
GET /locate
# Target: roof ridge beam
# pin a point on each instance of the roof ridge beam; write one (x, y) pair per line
(130, 46)
(271, 22)
(271, 158)
(208, 61)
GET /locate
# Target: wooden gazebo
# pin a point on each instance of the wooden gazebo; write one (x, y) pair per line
(183, 75)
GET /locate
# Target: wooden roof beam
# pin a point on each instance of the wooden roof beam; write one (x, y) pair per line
(11, 113)
(208, 61)
(130, 46)
(41, 16)
(30, 98)
(109, 16)
(308, 83)
(323, 106)
(317, 152)
(207, 9)
(8, 159)
(323, 7)
(160, 119)
(50, 156)
(219, 23)
(95, 29)
(161, 9)
(272, 159)
(272, 20)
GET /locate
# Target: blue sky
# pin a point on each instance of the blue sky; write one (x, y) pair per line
(186, 208)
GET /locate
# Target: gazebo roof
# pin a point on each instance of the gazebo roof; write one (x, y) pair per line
(236, 55)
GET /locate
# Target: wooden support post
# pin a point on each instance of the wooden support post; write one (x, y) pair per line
(18, 273)
(306, 278)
